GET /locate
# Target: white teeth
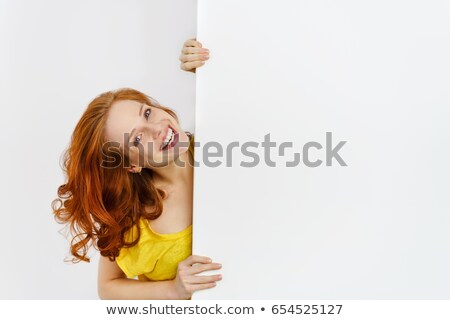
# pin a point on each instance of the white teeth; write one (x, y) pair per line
(168, 138)
(169, 135)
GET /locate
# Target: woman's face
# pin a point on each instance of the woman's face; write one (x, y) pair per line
(142, 131)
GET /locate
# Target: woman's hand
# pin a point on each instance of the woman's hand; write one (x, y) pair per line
(186, 283)
(193, 55)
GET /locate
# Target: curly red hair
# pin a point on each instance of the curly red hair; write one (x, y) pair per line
(100, 203)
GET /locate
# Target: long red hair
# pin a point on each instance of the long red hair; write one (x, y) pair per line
(101, 203)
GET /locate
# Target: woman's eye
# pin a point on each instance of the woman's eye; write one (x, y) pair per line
(138, 138)
(137, 141)
(147, 113)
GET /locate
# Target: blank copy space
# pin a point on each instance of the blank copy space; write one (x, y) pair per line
(375, 75)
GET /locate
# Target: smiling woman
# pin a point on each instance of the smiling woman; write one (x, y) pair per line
(137, 209)
(152, 127)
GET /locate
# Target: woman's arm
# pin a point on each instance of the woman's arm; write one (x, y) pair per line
(114, 285)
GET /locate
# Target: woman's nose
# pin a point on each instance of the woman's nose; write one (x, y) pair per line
(156, 129)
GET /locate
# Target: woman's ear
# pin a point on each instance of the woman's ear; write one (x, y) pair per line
(135, 169)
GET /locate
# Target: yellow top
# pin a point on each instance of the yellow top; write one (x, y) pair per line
(156, 256)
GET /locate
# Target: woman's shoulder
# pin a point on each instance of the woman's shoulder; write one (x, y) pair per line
(191, 136)
(191, 142)
(132, 233)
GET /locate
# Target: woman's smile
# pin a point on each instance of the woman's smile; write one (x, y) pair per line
(171, 139)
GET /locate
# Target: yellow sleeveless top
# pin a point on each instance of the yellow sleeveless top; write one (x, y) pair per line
(156, 256)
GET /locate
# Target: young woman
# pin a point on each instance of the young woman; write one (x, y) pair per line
(129, 170)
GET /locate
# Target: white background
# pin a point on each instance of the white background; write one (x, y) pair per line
(377, 75)
(55, 57)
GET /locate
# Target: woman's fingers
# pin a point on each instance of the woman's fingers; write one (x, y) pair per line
(186, 282)
(189, 261)
(189, 50)
(198, 268)
(188, 66)
(193, 57)
(192, 43)
(197, 264)
(203, 279)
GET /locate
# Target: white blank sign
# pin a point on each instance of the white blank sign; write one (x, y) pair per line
(376, 76)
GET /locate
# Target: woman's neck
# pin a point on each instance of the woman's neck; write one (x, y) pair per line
(180, 172)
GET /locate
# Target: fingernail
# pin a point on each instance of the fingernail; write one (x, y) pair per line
(219, 264)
